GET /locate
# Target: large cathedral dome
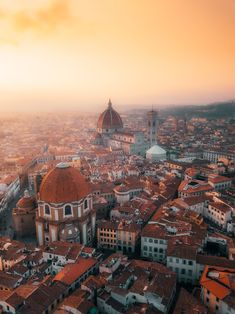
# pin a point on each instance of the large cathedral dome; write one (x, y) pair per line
(63, 184)
(109, 120)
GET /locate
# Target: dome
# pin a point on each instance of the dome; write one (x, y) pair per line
(121, 188)
(110, 119)
(156, 153)
(27, 201)
(156, 150)
(63, 184)
(69, 233)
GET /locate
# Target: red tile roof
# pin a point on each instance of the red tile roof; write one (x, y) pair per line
(71, 272)
(62, 185)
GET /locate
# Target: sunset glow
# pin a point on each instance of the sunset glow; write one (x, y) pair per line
(76, 54)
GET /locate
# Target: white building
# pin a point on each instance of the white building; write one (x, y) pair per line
(156, 153)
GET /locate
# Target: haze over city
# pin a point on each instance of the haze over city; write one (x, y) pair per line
(117, 156)
(72, 54)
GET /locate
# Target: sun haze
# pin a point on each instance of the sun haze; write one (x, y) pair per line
(72, 54)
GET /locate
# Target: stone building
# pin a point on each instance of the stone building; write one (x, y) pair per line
(111, 133)
(23, 216)
(65, 207)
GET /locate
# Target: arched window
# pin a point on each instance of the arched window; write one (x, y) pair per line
(85, 204)
(67, 210)
(47, 210)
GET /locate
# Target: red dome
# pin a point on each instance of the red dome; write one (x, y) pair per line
(110, 119)
(63, 184)
(26, 202)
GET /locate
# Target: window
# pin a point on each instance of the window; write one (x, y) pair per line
(150, 240)
(67, 210)
(155, 241)
(190, 263)
(47, 210)
(85, 204)
(182, 271)
(190, 272)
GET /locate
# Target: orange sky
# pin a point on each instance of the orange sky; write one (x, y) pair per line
(77, 54)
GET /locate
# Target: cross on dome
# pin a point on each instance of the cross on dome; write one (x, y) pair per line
(109, 103)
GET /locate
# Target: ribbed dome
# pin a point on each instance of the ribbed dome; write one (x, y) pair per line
(110, 119)
(63, 184)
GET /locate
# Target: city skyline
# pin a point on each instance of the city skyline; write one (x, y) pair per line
(58, 55)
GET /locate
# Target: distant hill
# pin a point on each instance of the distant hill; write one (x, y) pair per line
(211, 111)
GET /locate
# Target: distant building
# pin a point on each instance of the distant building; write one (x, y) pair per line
(152, 127)
(110, 133)
(155, 153)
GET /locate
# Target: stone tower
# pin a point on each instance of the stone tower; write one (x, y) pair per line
(152, 127)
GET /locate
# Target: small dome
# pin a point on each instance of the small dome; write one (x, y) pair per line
(110, 119)
(122, 188)
(27, 201)
(69, 233)
(156, 149)
(156, 153)
(63, 184)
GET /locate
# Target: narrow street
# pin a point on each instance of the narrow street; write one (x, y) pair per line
(6, 217)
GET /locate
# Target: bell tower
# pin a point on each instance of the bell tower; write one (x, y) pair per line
(152, 127)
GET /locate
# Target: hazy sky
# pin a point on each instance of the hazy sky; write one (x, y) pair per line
(77, 54)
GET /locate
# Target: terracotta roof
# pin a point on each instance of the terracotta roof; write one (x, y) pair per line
(8, 280)
(14, 300)
(184, 251)
(194, 186)
(71, 272)
(109, 119)
(63, 184)
(27, 202)
(215, 261)
(221, 206)
(218, 179)
(187, 303)
(219, 281)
